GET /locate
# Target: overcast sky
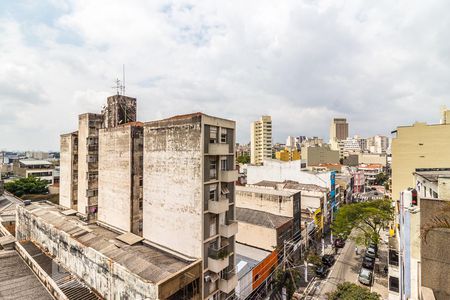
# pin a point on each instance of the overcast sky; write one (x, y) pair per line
(380, 64)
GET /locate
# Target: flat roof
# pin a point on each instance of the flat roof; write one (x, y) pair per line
(290, 184)
(31, 162)
(148, 262)
(262, 190)
(17, 281)
(433, 175)
(255, 254)
(260, 218)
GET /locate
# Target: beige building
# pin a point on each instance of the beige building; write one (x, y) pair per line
(338, 129)
(189, 205)
(261, 140)
(418, 146)
(120, 170)
(315, 156)
(41, 169)
(68, 187)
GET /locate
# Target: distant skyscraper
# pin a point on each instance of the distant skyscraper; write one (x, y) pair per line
(261, 140)
(338, 129)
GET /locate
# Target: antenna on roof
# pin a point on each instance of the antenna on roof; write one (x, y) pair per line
(123, 79)
(118, 86)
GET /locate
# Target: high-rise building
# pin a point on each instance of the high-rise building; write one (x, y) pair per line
(338, 129)
(418, 146)
(189, 188)
(261, 140)
(68, 187)
(378, 144)
(120, 170)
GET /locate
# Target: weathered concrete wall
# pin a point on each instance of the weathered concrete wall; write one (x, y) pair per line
(66, 170)
(107, 277)
(172, 213)
(114, 177)
(319, 155)
(83, 132)
(264, 202)
(257, 236)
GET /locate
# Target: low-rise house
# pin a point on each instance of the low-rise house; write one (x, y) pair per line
(32, 167)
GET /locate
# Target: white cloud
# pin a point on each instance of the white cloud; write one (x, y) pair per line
(380, 64)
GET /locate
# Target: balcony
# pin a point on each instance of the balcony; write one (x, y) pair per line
(229, 230)
(229, 176)
(218, 149)
(229, 282)
(218, 259)
(218, 207)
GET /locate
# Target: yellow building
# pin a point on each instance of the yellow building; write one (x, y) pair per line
(287, 155)
(419, 146)
(261, 140)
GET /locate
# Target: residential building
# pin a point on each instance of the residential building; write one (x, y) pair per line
(189, 184)
(311, 141)
(273, 199)
(39, 155)
(317, 155)
(261, 140)
(32, 167)
(370, 172)
(263, 230)
(433, 183)
(120, 173)
(338, 145)
(378, 144)
(112, 264)
(372, 158)
(338, 129)
(87, 198)
(418, 146)
(68, 186)
(288, 154)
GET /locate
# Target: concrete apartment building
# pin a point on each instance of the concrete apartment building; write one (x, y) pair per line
(418, 146)
(377, 144)
(121, 157)
(189, 184)
(261, 140)
(317, 155)
(32, 167)
(68, 187)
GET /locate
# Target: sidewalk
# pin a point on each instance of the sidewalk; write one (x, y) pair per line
(380, 283)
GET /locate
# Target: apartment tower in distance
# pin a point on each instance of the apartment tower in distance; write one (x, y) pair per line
(261, 140)
(189, 188)
(338, 129)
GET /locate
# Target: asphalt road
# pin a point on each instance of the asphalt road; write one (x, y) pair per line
(346, 268)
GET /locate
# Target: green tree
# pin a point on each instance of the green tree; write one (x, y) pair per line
(352, 291)
(381, 179)
(287, 279)
(30, 185)
(243, 159)
(368, 217)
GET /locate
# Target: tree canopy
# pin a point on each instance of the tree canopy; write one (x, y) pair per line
(352, 291)
(243, 159)
(381, 179)
(368, 217)
(30, 185)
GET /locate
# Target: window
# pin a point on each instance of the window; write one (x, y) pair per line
(212, 192)
(393, 284)
(91, 193)
(225, 189)
(213, 134)
(224, 164)
(141, 204)
(212, 168)
(223, 135)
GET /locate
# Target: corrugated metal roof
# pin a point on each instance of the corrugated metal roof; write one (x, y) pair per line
(260, 218)
(150, 263)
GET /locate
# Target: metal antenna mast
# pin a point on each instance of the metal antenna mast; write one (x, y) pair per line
(123, 79)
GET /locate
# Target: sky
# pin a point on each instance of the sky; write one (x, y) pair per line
(380, 64)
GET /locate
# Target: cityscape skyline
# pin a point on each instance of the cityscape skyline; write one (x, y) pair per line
(60, 59)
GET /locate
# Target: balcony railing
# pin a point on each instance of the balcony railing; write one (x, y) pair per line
(218, 258)
(218, 206)
(228, 282)
(218, 149)
(228, 230)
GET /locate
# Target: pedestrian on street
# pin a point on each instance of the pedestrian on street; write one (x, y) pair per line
(356, 250)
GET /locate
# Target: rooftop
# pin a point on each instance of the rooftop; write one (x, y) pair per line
(33, 162)
(262, 190)
(433, 175)
(292, 185)
(260, 218)
(150, 263)
(17, 280)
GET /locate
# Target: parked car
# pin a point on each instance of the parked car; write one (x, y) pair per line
(321, 271)
(339, 243)
(370, 252)
(368, 262)
(365, 276)
(328, 260)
